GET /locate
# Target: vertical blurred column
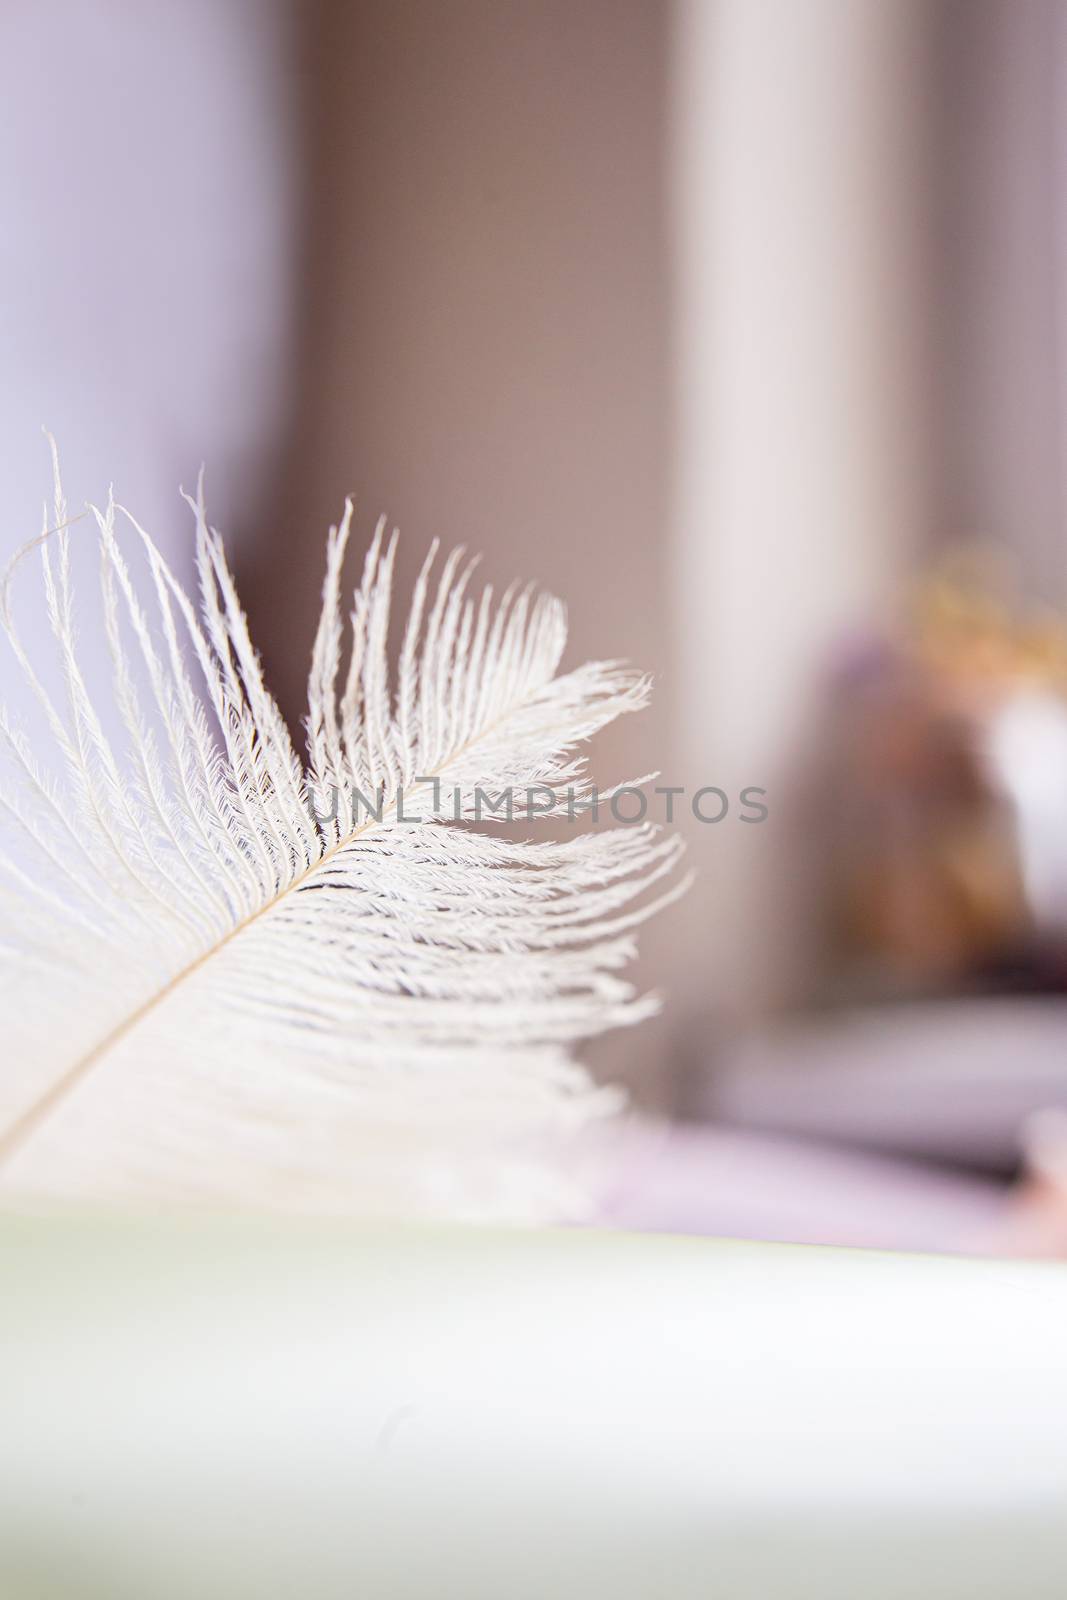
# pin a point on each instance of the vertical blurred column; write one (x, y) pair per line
(799, 480)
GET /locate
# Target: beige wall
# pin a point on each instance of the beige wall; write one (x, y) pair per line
(485, 343)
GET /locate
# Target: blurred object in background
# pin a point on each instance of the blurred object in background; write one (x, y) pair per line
(1036, 1223)
(941, 794)
(951, 1082)
(923, 882)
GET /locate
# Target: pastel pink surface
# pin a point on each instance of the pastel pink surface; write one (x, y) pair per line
(686, 1178)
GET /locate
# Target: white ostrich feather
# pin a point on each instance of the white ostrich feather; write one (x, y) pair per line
(224, 980)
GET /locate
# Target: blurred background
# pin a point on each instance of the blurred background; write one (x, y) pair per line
(742, 328)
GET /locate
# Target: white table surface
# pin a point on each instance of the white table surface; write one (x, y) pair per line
(262, 1410)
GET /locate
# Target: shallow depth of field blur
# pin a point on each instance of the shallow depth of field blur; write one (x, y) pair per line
(740, 327)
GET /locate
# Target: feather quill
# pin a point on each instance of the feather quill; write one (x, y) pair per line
(227, 978)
